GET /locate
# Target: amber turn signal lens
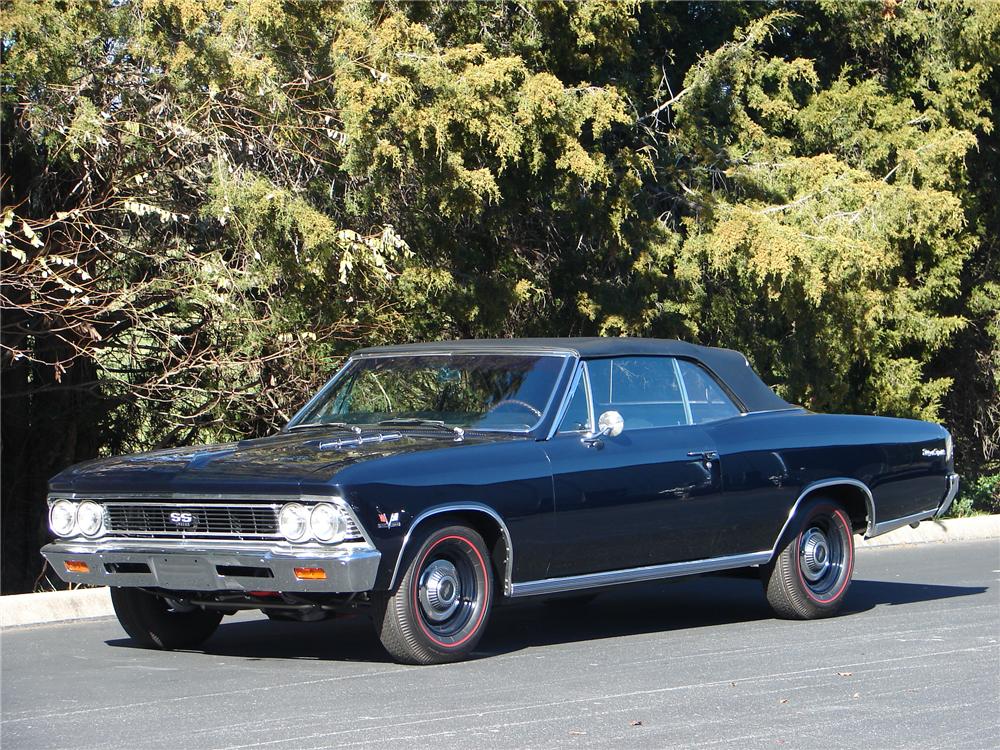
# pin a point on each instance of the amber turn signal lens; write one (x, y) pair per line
(310, 574)
(76, 566)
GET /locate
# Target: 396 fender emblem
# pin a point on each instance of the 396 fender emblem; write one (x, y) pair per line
(388, 520)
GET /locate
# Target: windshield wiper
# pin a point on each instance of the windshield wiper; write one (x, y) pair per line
(418, 422)
(333, 425)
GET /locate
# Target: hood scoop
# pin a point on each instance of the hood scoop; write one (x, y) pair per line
(351, 442)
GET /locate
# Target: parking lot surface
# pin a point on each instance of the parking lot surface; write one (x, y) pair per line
(913, 663)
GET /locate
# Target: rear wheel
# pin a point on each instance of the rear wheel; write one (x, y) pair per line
(441, 607)
(156, 622)
(810, 574)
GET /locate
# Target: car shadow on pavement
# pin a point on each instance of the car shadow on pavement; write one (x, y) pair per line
(661, 606)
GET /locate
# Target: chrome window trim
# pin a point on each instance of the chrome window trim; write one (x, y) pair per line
(581, 378)
(197, 499)
(567, 400)
(452, 507)
(592, 418)
(296, 418)
(685, 399)
(565, 355)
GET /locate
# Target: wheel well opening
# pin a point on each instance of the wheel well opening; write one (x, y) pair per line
(487, 527)
(853, 499)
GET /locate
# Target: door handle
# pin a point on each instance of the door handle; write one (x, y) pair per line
(704, 455)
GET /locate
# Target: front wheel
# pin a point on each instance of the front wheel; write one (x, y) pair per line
(810, 574)
(441, 607)
(156, 622)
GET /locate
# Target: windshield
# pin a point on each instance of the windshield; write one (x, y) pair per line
(471, 391)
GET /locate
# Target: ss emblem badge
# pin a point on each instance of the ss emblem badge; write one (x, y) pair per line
(182, 518)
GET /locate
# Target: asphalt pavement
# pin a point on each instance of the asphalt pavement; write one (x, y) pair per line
(914, 662)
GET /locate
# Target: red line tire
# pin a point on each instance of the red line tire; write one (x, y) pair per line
(153, 622)
(441, 607)
(811, 573)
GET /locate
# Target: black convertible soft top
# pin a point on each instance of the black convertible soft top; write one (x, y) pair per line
(729, 366)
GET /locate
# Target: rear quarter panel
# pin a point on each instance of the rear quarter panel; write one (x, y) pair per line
(768, 459)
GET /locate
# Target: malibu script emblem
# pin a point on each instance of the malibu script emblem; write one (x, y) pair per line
(183, 519)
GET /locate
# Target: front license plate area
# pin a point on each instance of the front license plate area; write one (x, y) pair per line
(193, 573)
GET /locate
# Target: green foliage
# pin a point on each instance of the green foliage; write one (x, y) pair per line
(981, 495)
(207, 204)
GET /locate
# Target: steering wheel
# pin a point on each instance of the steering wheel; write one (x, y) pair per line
(516, 402)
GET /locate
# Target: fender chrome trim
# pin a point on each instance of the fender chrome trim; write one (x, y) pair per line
(634, 575)
(831, 482)
(452, 507)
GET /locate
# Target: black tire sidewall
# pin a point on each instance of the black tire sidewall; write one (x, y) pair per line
(405, 633)
(147, 619)
(785, 585)
(841, 522)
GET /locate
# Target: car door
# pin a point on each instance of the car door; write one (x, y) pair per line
(652, 494)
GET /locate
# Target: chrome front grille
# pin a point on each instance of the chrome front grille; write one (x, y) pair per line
(193, 520)
(244, 521)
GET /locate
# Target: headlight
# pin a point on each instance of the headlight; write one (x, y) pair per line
(62, 518)
(327, 523)
(90, 519)
(293, 522)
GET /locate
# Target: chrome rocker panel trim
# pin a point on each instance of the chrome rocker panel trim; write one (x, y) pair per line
(194, 567)
(633, 575)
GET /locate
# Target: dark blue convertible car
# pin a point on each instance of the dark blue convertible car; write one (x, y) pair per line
(425, 483)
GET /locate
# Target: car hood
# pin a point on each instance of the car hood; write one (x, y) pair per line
(283, 463)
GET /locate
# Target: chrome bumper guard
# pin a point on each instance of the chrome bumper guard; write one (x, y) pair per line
(949, 495)
(225, 566)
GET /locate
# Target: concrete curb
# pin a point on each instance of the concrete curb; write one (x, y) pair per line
(81, 604)
(54, 606)
(948, 530)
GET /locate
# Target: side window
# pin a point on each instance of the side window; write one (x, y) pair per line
(709, 403)
(577, 418)
(643, 389)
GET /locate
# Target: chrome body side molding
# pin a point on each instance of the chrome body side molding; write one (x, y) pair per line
(634, 575)
(453, 507)
(898, 523)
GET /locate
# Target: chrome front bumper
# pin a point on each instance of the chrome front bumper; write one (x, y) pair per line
(207, 566)
(949, 495)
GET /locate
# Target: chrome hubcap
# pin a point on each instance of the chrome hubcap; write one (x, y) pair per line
(440, 590)
(814, 554)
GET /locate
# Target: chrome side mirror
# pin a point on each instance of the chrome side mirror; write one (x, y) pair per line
(609, 424)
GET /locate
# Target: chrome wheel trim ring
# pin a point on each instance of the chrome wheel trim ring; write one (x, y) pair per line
(440, 591)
